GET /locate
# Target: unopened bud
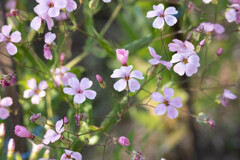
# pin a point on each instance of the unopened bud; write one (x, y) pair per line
(38, 119)
(100, 81)
(202, 43)
(11, 149)
(86, 140)
(220, 51)
(2, 130)
(65, 120)
(62, 58)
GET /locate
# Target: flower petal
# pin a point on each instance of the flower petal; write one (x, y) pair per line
(53, 12)
(11, 48)
(42, 94)
(6, 29)
(230, 15)
(71, 5)
(170, 10)
(176, 58)
(153, 53)
(36, 23)
(194, 59)
(16, 37)
(172, 112)
(180, 68)
(168, 92)
(159, 7)
(49, 37)
(168, 65)
(43, 85)
(32, 83)
(176, 102)
(85, 83)
(120, 85)
(154, 61)
(60, 4)
(151, 14)
(133, 85)
(160, 109)
(59, 126)
(76, 155)
(117, 73)
(228, 94)
(28, 93)
(6, 102)
(90, 94)
(158, 23)
(4, 113)
(170, 20)
(79, 98)
(74, 83)
(50, 22)
(136, 74)
(190, 69)
(35, 99)
(157, 97)
(2, 38)
(69, 91)
(41, 9)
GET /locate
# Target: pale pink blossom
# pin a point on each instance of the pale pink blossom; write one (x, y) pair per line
(79, 89)
(50, 7)
(52, 136)
(71, 5)
(69, 155)
(156, 59)
(226, 96)
(181, 47)
(39, 20)
(207, 1)
(22, 132)
(123, 141)
(162, 16)
(122, 56)
(9, 40)
(166, 103)
(186, 63)
(209, 27)
(61, 76)
(107, 1)
(49, 38)
(4, 104)
(233, 13)
(127, 78)
(35, 91)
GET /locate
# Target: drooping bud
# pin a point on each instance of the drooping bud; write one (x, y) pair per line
(220, 51)
(100, 81)
(122, 56)
(79, 117)
(123, 141)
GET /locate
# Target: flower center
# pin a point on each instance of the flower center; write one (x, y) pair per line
(68, 156)
(166, 102)
(50, 5)
(127, 77)
(37, 91)
(79, 91)
(185, 61)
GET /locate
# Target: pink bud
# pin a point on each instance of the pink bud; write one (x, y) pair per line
(65, 120)
(2, 130)
(21, 131)
(11, 145)
(62, 58)
(220, 51)
(35, 117)
(122, 56)
(211, 123)
(123, 141)
(202, 43)
(99, 78)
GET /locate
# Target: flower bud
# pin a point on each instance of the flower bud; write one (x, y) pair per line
(202, 43)
(86, 140)
(100, 81)
(11, 149)
(65, 120)
(219, 52)
(123, 141)
(22, 132)
(38, 119)
(62, 58)
(122, 56)
(211, 123)
(2, 130)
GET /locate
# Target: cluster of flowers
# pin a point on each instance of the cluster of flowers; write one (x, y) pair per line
(7, 80)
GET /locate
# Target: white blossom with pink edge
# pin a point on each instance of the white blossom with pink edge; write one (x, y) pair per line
(52, 136)
(79, 90)
(9, 40)
(186, 63)
(69, 155)
(35, 91)
(49, 38)
(158, 11)
(181, 47)
(127, 78)
(5, 102)
(156, 59)
(50, 7)
(166, 103)
(61, 76)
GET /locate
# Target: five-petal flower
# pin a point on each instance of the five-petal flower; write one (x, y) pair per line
(52, 136)
(69, 155)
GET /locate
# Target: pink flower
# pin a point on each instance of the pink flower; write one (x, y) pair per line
(9, 40)
(69, 155)
(233, 13)
(50, 7)
(36, 92)
(156, 59)
(51, 135)
(49, 38)
(186, 63)
(99, 78)
(127, 78)
(226, 96)
(107, 1)
(181, 47)
(209, 27)
(71, 5)
(122, 56)
(123, 141)
(22, 132)
(166, 104)
(79, 89)
(207, 1)
(5, 102)
(162, 15)
(39, 20)
(61, 76)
